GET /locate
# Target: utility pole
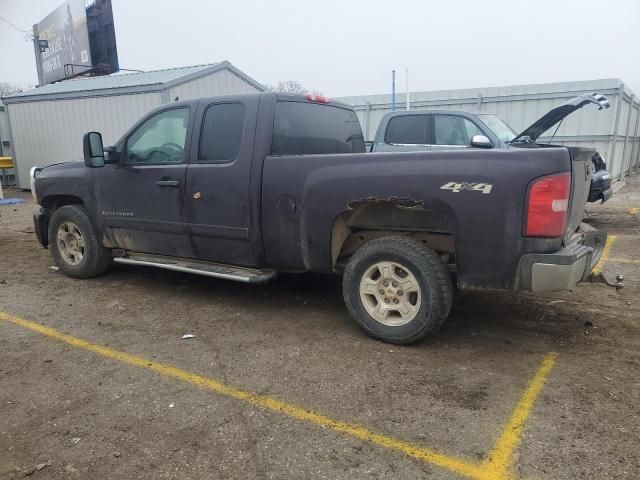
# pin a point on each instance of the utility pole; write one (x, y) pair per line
(37, 49)
(393, 90)
(407, 73)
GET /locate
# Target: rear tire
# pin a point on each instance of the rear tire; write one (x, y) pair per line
(74, 244)
(397, 289)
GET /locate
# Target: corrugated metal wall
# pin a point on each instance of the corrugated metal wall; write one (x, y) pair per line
(223, 82)
(521, 105)
(50, 131)
(47, 132)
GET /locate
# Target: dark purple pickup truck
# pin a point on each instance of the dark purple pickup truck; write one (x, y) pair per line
(243, 187)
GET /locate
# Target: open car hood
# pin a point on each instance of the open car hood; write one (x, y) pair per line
(531, 134)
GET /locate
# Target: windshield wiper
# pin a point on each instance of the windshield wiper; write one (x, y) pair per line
(520, 140)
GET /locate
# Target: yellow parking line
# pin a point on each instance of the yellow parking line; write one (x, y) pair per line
(605, 254)
(456, 465)
(501, 457)
(624, 260)
(495, 467)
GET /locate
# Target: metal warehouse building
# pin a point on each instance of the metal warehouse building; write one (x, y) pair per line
(615, 132)
(5, 145)
(46, 124)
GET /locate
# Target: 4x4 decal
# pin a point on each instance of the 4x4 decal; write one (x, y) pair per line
(475, 187)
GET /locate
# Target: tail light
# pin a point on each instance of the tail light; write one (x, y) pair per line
(312, 97)
(547, 205)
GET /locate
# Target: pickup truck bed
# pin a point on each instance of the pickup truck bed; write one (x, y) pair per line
(483, 230)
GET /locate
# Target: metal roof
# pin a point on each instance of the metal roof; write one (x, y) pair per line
(119, 83)
(508, 93)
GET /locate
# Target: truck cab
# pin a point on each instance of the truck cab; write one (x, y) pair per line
(185, 180)
(411, 131)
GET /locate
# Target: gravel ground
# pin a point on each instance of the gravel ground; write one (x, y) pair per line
(77, 415)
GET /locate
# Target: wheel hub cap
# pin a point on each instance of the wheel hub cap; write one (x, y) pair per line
(390, 293)
(70, 243)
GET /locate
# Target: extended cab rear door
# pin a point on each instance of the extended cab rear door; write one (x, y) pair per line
(410, 132)
(218, 180)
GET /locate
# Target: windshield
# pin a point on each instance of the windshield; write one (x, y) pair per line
(497, 126)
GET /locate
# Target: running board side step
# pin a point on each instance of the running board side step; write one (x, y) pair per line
(198, 267)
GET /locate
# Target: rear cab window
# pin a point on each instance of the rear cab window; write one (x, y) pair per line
(408, 130)
(302, 128)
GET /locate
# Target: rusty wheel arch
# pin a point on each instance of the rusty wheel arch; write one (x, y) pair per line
(367, 219)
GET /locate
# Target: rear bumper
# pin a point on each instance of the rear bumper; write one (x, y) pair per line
(564, 269)
(607, 194)
(41, 224)
(600, 194)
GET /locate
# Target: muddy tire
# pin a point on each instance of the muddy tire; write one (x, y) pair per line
(397, 290)
(74, 244)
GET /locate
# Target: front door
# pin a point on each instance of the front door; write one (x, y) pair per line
(218, 181)
(141, 198)
(451, 132)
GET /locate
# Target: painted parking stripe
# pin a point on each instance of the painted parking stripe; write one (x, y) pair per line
(624, 260)
(501, 457)
(496, 466)
(605, 254)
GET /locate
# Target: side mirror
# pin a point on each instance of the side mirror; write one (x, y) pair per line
(93, 150)
(480, 141)
(111, 155)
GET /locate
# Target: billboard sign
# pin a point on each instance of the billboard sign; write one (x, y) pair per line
(65, 30)
(102, 38)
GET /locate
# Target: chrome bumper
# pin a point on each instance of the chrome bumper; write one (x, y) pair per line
(564, 269)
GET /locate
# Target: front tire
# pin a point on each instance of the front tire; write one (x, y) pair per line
(397, 289)
(74, 244)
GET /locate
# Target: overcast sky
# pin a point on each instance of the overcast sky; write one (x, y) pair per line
(344, 47)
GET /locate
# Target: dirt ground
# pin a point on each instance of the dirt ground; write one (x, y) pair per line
(68, 413)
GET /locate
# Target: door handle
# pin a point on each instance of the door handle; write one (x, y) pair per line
(168, 183)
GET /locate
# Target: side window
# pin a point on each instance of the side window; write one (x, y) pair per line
(221, 133)
(454, 130)
(161, 139)
(407, 129)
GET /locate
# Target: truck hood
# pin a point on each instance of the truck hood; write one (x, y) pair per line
(60, 169)
(62, 165)
(36, 171)
(531, 134)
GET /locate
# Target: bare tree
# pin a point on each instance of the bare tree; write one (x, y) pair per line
(290, 86)
(8, 89)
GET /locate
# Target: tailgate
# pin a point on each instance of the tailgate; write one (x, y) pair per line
(581, 171)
